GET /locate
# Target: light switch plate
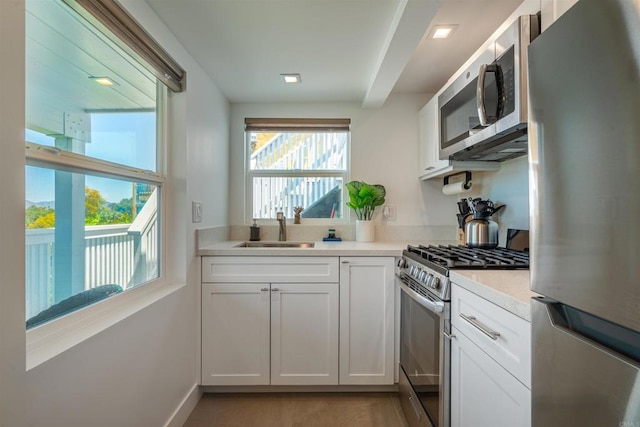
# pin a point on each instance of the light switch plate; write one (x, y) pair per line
(389, 213)
(196, 211)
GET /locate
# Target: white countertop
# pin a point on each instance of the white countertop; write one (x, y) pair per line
(508, 289)
(344, 248)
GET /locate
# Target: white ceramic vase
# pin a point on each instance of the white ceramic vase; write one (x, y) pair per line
(365, 231)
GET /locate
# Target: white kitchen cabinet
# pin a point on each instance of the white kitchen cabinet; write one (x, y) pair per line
(269, 269)
(430, 162)
(483, 393)
(490, 364)
(235, 334)
(551, 10)
(258, 332)
(367, 320)
(511, 349)
(429, 149)
(304, 334)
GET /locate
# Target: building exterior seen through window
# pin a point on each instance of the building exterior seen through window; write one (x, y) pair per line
(292, 169)
(93, 188)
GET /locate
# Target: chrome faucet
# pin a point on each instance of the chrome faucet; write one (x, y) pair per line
(282, 233)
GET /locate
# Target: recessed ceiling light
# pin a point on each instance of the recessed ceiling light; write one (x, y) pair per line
(291, 78)
(442, 31)
(104, 81)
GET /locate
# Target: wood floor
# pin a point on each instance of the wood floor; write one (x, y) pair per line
(298, 409)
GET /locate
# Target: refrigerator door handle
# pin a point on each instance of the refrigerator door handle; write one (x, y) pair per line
(577, 380)
(612, 339)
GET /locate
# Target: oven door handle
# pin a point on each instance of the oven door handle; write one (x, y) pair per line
(435, 306)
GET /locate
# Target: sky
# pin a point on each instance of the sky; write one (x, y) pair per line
(126, 138)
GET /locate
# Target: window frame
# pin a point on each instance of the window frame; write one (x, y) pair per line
(56, 159)
(294, 125)
(46, 341)
(56, 336)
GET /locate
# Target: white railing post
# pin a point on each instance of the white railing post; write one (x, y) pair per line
(145, 251)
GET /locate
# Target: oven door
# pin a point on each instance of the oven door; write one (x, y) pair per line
(424, 357)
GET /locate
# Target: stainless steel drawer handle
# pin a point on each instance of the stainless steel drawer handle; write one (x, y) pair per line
(264, 289)
(275, 290)
(488, 332)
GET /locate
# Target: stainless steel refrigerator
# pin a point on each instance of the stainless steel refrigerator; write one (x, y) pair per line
(584, 162)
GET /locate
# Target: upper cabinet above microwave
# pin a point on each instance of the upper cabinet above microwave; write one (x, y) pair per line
(430, 164)
(483, 112)
(551, 10)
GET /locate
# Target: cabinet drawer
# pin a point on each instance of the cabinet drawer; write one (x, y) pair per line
(471, 314)
(269, 269)
(483, 393)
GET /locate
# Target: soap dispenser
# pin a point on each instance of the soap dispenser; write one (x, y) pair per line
(255, 232)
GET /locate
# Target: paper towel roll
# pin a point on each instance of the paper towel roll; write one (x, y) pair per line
(456, 188)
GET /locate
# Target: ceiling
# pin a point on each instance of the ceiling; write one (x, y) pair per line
(63, 53)
(345, 50)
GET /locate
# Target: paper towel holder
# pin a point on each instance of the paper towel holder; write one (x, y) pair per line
(467, 179)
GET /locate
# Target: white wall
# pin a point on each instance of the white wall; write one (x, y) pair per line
(510, 186)
(137, 372)
(384, 150)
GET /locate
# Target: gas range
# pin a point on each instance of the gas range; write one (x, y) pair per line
(428, 267)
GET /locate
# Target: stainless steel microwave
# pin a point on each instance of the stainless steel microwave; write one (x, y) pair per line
(483, 113)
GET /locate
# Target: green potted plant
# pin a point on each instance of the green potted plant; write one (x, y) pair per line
(363, 199)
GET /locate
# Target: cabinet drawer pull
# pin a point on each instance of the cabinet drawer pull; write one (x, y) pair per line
(275, 290)
(264, 289)
(345, 262)
(482, 328)
(448, 336)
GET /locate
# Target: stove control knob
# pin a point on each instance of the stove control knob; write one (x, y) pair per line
(423, 276)
(411, 270)
(402, 263)
(430, 281)
(436, 282)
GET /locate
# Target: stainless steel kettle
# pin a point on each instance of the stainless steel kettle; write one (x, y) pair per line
(482, 231)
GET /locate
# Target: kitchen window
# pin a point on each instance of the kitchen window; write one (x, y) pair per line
(297, 163)
(94, 144)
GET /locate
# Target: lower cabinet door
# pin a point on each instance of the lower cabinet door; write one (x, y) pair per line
(304, 334)
(235, 334)
(367, 321)
(483, 393)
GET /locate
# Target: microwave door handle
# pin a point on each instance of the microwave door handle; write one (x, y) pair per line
(480, 93)
(482, 110)
(501, 90)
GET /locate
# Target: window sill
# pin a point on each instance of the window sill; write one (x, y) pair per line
(51, 339)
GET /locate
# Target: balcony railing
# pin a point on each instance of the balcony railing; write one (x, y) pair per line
(296, 151)
(123, 254)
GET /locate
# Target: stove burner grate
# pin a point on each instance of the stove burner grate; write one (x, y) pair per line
(464, 257)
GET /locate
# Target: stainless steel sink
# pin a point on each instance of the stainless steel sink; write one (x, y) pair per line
(276, 245)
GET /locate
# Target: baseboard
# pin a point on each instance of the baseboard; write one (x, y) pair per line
(301, 389)
(182, 412)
